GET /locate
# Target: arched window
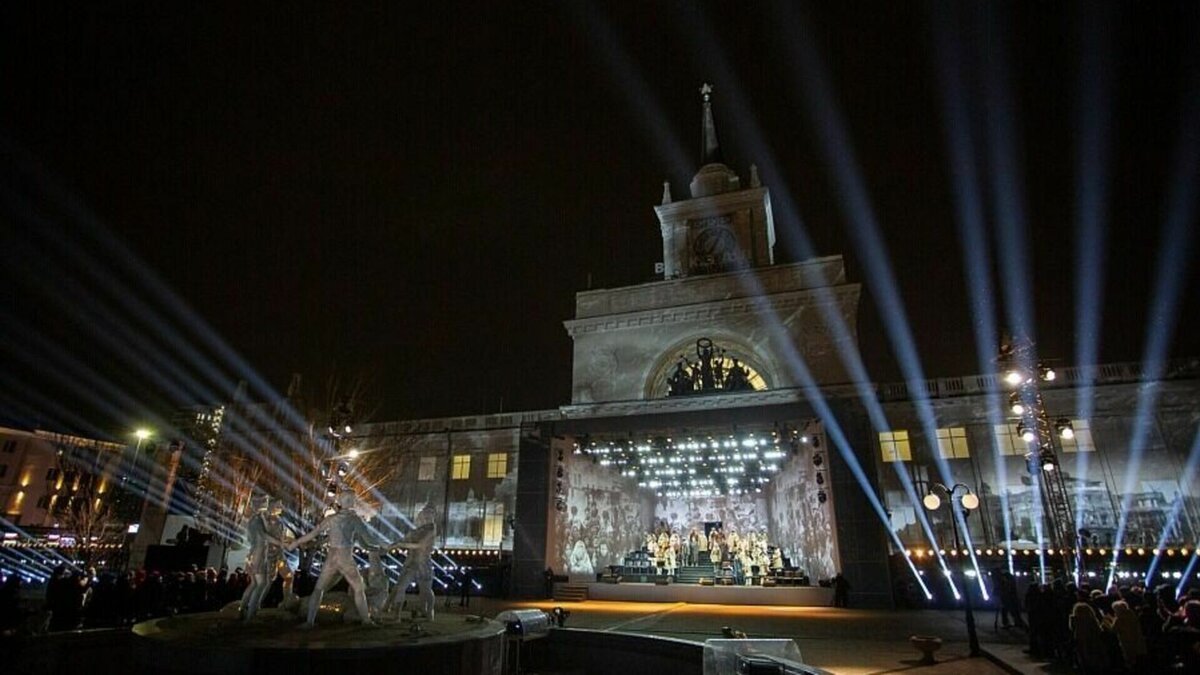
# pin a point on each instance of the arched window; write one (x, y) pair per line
(712, 369)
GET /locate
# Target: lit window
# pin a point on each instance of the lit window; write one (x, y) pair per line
(952, 443)
(427, 468)
(1082, 442)
(894, 445)
(462, 467)
(1009, 441)
(497, 464)
(493, 527)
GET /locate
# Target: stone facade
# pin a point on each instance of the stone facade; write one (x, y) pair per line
(626, 339)
(1104, 476)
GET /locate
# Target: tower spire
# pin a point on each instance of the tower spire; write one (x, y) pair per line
(710, 149)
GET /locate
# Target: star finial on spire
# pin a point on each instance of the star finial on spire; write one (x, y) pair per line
(710, 149)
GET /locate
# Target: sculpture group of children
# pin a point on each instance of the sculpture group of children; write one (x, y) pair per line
(344, 529)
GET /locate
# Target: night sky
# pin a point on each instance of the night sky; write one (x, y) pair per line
(414, 194)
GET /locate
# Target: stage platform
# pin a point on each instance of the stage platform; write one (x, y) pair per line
(791, 596)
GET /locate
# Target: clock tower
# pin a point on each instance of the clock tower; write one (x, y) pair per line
(723, 227)
(724, 317)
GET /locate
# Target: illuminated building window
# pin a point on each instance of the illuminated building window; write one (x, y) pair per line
(497, 465)
(894, 445)
(1009, 441)
(1082, 442)
(952, 443)
(493, 527)
(10, 446)
(461, 469)
(427, 468)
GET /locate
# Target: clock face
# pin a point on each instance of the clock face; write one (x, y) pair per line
(714, 247)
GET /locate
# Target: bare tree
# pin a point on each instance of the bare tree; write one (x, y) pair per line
(263, 449)
(85, 496)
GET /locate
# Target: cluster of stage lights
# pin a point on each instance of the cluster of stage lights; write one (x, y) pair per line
(706, 466)
(1026, 403)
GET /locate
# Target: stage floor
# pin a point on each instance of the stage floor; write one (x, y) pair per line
(790, 596)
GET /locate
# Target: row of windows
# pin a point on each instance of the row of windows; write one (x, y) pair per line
(952, 442)
(460, 466)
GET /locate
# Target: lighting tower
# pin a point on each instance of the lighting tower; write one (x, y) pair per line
(1024, 375)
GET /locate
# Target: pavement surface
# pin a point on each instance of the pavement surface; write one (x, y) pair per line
(842, 641)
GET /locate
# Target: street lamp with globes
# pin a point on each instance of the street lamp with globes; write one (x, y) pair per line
(966, 501)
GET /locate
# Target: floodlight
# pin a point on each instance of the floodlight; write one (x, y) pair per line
(1026, 432)
(1014, 401)
(1065, 429)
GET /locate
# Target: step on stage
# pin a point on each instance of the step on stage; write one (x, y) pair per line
(792, 596)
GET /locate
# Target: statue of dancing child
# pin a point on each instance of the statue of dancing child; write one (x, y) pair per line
(264, 534)
(343, 528)
(418, 566)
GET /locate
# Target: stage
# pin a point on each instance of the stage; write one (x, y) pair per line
(791, 596)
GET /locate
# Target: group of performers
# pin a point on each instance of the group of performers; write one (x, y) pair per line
(669, 551)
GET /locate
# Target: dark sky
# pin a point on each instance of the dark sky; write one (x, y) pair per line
(415, 191)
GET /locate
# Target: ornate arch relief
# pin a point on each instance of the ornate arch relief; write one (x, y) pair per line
(707, 365)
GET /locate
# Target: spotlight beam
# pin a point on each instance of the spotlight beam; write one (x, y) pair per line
(1008, 200)
(1091, 222)
(1175, 257)
(970, 221)
(834, 140)
(1186, 480)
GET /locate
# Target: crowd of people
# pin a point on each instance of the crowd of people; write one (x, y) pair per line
(87, 599)
(1127, 629)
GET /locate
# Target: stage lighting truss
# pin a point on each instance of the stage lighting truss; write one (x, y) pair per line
(699, 465)
(1019, 368)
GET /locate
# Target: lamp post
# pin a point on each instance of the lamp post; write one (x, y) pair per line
(141, 435)
(961, 497)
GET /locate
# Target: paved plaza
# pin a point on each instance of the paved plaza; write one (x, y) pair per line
(843, 641)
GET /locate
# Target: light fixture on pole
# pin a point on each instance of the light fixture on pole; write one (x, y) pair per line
(141, 435)
(961, 498)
